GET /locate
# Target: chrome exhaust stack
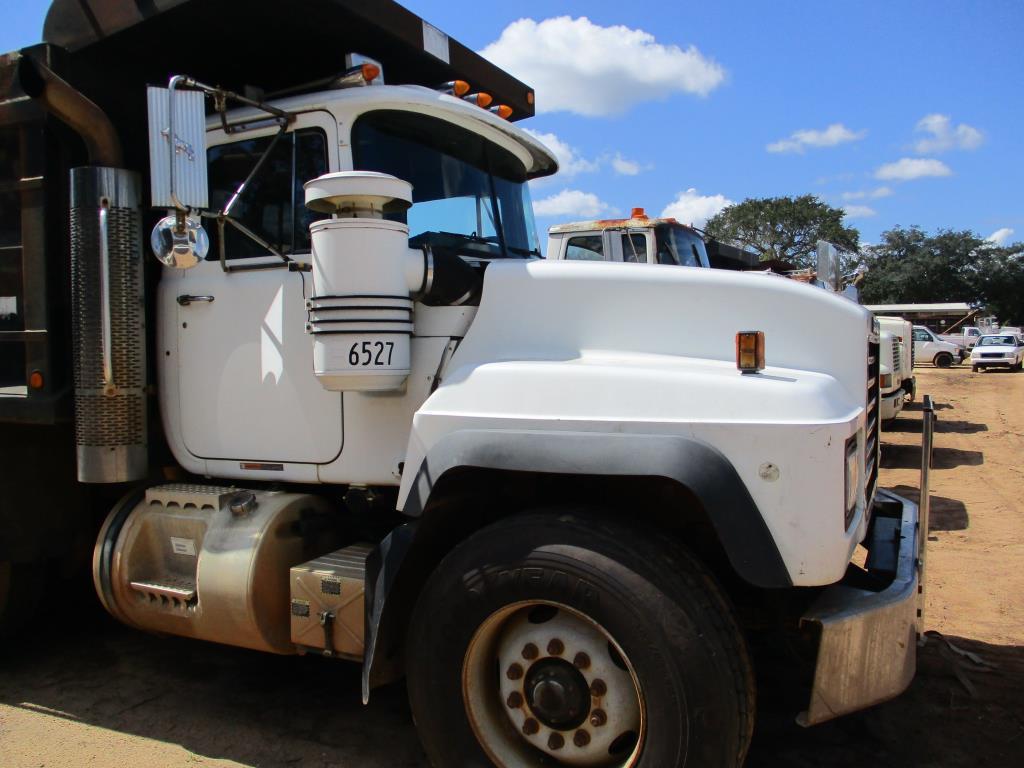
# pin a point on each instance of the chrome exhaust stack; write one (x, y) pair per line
(107, 289)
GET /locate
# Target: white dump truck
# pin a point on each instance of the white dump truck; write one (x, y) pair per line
(890, 376)
(902, 332)
(347, 411)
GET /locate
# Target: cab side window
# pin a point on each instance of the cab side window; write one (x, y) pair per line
(272, 205)
(921, 336)
(634, 248)
(586, 248)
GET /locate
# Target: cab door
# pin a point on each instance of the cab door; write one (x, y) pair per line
(245, 367)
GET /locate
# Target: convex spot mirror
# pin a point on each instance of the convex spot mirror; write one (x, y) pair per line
(179, 248)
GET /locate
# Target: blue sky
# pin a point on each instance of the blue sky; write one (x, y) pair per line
(904, 111)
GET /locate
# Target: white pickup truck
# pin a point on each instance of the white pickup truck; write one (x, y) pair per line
(928, 347)
(966, 338)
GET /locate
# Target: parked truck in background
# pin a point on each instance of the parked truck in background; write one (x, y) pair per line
(890, 376)
(639, 239)
(347, 411)
(903, 333)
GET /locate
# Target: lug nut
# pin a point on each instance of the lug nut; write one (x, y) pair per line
(598, 688)
(582, 661)
(530, 651)
(555, 741)
(556, 647)
(515, 700)
(581, 738)
(531, 726)
(598, 718)
(514, 672)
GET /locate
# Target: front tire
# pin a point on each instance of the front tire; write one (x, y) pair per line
(943, 360)
(569, 640)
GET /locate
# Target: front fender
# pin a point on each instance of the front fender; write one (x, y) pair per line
(699, 467)
(696, 465)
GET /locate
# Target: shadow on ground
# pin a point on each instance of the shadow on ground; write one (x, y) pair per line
(214, 701)
(896, 456)
(952, 426)
(274, 711)
(937, 722)
(917, 405)
(946, 514)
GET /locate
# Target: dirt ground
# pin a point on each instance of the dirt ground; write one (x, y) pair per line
(87, 692)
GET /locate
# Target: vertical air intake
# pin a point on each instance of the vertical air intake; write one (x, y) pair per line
(361, 310)
(108, 325)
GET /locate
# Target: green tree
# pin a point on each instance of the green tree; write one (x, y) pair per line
(787, 228)
(910, 266)
(999, 283)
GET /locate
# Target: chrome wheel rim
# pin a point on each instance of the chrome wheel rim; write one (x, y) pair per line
(542, 681)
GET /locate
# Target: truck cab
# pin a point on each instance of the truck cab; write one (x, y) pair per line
(636, 240)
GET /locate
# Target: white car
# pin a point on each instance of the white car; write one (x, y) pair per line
(929, 348)
(1002, 350)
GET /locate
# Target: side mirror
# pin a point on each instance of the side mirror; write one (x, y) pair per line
(179, 242)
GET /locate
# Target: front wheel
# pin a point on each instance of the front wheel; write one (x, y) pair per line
(943, 360)
(567, 640)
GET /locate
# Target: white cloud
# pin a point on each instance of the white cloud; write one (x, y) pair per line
(908, 168)
(570, 161)
(690, 207)
(578, 66)
(571, 203)
(1000, 236)
(944, 136)
(625, 167)
(868, 194)
(798, 141)
(859, 211)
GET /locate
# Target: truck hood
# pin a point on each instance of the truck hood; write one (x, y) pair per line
(564, 311)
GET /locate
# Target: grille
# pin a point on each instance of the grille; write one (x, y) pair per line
(897, 357)
(991, 355)
(871, 424)
(110, 429)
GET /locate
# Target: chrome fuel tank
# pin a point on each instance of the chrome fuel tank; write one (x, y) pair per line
(210, 562)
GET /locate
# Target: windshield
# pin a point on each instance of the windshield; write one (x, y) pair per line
(995, 341)
(469, 195)
(678, 245)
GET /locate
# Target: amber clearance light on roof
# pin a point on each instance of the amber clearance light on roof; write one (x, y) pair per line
(480, 99)
(750, 351)
(455, 87)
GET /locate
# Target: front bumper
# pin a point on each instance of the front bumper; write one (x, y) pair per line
(868, 648)
(892, 404)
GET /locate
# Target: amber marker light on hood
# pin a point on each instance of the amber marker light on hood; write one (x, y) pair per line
(750, 351)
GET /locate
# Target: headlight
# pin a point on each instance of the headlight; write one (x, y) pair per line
(852, 479)
(885, 380)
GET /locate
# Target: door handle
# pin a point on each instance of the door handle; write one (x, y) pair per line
(185, 299)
